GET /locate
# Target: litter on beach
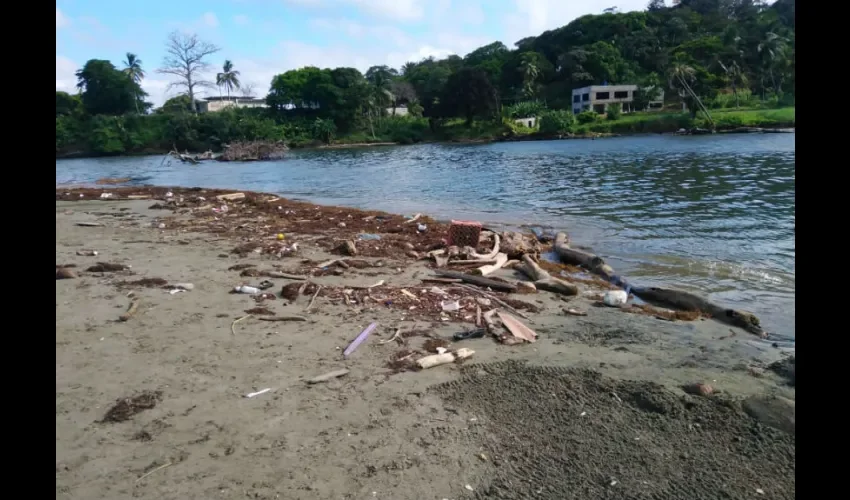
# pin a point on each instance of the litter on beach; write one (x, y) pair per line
(254, 394)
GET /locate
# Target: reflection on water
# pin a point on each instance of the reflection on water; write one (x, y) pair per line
(709, 213)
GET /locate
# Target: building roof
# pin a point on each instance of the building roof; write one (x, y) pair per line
(233, 98)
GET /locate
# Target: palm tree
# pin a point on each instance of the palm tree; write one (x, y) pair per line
(381, 79)
(735, 75)
(407, 68)
(772, 51)
(133, 69)
(530, 72)
(228, 78)
(679, 76)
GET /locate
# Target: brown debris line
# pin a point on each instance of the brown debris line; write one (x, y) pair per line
(649, 310)
(240, 267)
(145, 282)
(112, 180)
(124, 409)
(260, 310)
(107, 267)
(259, 217)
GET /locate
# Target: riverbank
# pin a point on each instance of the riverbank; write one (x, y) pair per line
(450, 430)
(416, 131)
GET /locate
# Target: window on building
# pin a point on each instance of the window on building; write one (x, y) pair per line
(585, 97)
(576, 98)
(601, 96)
(621, 94)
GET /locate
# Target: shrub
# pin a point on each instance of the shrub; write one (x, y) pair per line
(613, 111)
(524, 109)
(557, 122)
(587, 117)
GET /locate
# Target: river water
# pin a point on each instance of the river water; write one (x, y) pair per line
(713, 214)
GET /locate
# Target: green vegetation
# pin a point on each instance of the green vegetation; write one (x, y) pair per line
(722, 64)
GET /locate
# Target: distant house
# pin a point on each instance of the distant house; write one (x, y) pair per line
(217, 103)
(598, 97)
(529, 122)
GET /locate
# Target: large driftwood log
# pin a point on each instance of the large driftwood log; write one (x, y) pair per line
(543, 280)
(488, 256)
(586, 260)
(687, 301)
(477, 280)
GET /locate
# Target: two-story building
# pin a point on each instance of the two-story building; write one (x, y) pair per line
(217, 103)
(598, 97)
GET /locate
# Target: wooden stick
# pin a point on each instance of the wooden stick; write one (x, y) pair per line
(441, 280)
(475, 262)
(237, 320)
(477, 280)
(319, 289)
(395, 336)
(493, 254)
(501, 260)
(167, 464)
(276, 274)
(134, 306)
(496, 300)
(543, 280)
(281, 318)
(414, 219)
(445, 358)
(478, 316)
(327, 376)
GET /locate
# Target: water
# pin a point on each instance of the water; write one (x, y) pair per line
(713, 214)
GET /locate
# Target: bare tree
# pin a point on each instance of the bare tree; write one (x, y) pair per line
(247, 89)
(185, 59)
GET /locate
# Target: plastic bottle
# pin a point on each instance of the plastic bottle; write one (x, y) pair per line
(250, 290)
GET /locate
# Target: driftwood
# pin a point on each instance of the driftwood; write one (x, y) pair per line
(445, 358)
(492, 255)
(131, 311)
(281, 318)
(586, 260)
(277, 274)
(494, 299)
(348, 248)
(501, 260)
(687, 301)
(516, 327)
(477, 280)
(327, 376)
(515, 245)
(253, 151)
(543, 280)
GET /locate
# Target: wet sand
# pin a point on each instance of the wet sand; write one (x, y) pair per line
(593, 409)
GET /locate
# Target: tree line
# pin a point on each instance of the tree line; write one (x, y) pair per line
(704, 53)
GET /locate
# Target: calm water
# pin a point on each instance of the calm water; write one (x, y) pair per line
(714, 214)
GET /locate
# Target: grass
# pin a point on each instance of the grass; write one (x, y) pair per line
(648, 122)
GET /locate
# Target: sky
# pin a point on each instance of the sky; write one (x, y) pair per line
(264, 38)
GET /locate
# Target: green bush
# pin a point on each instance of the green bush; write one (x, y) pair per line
(613, 111)
(558, 121)
(524, 109)
(586, 117)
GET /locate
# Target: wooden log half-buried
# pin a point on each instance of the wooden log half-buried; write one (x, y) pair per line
(476, 280)
(586, 260)
(686, 301)
(543, 280)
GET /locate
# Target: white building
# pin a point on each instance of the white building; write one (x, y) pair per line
(217, 103)
(598, 97)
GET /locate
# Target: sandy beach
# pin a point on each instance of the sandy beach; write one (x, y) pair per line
(594, 409)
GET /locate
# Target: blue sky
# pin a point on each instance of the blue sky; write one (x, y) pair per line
(267, 37)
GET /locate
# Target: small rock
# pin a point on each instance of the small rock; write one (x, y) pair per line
(408, 246)
(615, 298)
(484, 302)
(63, 273)
(698, 389)
(341, 224)
(412, 254)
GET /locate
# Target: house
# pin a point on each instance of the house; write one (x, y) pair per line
(598, 97)
(529, 122)
(217, 103)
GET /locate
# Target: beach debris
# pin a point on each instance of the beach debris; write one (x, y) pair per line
(255, 394)
(265, 285)
(104, 196)
(64, 273)
(131, 311)
(615, 298)
(574, 312)
(112, 180)
(543, 280)
(328, 376)
(359, 339)
(413, 219)
(249, 290)
(396, 336)
(469, 487)
(516, 327)
(482, 301)
(421, 228)
(259, 310)
(444, 358)
(435, 345)
(450, 306)
(698, 389)
(465, 233)
(107, 267)
(477, 280)
(89, 224)
(184, 286)
(125, 408)
(366, 236)
(408, 294)
(231, 197)
(348, 248)
(283, 318)
(291, 291)
(237, 320)
(87, 253)
(318, 289)
(470, 334)
(163, 466)
(496, 300)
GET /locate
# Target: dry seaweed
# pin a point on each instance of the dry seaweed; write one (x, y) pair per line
(124, 409)
(107, 267)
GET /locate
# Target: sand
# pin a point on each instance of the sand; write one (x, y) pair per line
(593, 409)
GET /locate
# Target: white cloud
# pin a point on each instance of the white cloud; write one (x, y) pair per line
(209, 19)
(66, 79)
(400, 10)
(61, 20)
(241, 20)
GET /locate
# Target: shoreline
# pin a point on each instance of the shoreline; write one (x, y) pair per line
(354, 434)
(780, 128)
